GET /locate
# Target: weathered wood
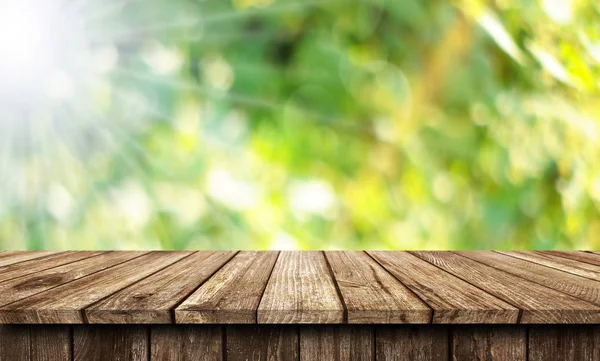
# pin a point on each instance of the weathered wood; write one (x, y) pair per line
(568, 283)
(564, 343)
(21, 287)
(452, 299)
(186, 343)
(580, 256)
(340, 343)
(108, 343)
(152, 299)
(39, 264)
(65, 303)
(301, 290)
(493, 343)
(564, 264)
(257, 343)
(415, 343)
(35, 343)
(233, 294)
(539, 304)
(14, 343)
(371, 294)
(12, 257)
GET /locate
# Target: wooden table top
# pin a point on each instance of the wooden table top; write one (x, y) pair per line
(312, 287)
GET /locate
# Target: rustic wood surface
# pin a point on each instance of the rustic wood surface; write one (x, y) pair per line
(315, 287)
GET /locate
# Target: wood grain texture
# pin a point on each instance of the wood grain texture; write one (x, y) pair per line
(340, 343)
(452, 299)
(580, 256)
(109, 343)
(571, 284)
(152, 299)
(35, 343)
(539, 304)
(489, 343)
(186, 343)
(301, 290)
(12, 257)
(233, 294)
(416, 343)
(65, 303)
(258, 343)
(564, 264)
(25, 286)
(371, 294)
(40, 264)
(564, 343)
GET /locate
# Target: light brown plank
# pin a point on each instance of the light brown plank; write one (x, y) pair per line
(264, 342)
(12, 257)
(340, 343)
(22, 287)
(152, 299)
(568, 283)
(301, 290)
(39, 264)
(65, 303)
(564, 264)
(539, 304)
(233, 294)
(416, 343)
(564, 343)
(493, 343)
(186, 343)
(371, 294)
(108, 342)
(580, 256)
(452, 299)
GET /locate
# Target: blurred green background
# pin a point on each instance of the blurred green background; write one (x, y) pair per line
(333, 124)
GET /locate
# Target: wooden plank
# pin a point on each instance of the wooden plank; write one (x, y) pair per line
(186, 343)
(257, 343)
(415, 343)
(580, 256)
(341, 343)
(40, 264)
(539, 304)
(301, 290)
(452, 299)
(12, 257)
(35, 343)
(560, 263)
(22, 287)
(568, 283)
(371, 294)
(564, 343)
(64, 304)
(497, 343)
(152, 299)
(233, 294)
(108, 342)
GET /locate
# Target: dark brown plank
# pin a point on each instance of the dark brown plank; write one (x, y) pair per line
(35, 343)
(152, 299)
(39, 264)
(257, 343)
(25, 286)
(580, 256)
(12, 257)
(452, 299)
(493, 343)
(301, 290)
(233, 294)
(371, 294)
(109, 343)
(564, 264)
(65, 303)
(186, 343)
(564, 343)
(415, 343)
(576, 286)
(341, 343)
(539, 304)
